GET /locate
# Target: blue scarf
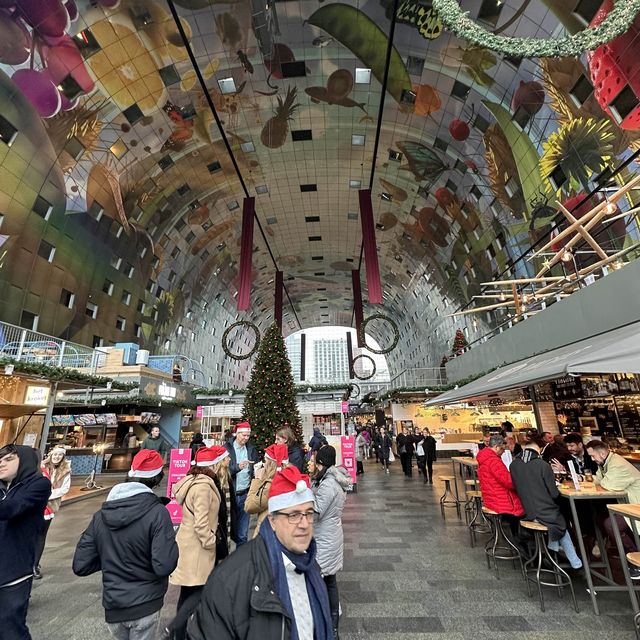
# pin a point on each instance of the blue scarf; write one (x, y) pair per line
(316, 589)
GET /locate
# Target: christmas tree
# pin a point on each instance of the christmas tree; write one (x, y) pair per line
(459, 342)
(270, 397)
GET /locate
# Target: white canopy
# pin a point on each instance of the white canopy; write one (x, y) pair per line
(616, 351)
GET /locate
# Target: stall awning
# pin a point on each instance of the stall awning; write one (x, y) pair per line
(616, 351)
(10, 411)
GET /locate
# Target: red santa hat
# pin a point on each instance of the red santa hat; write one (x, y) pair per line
(243, 427)
(208, 456)
(289, 488)
(146, 464)
(279, 453)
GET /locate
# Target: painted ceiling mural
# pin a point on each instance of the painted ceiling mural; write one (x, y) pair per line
(121, 199)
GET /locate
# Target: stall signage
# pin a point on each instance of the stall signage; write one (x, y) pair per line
(348, 451)
(179, 465)
(167, 391)
(199, 411)
(37, 395)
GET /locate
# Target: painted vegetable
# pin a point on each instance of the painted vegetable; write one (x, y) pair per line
(38, 88)
(529, 96)
(614, 68)
(274, 132)
(366, 41)
(524, 152)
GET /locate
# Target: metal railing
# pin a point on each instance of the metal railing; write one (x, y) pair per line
(421, 377)
(24, 345)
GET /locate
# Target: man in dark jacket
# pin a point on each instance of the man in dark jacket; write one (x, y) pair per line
(242, 456)
(536, 486)
(23, 497)
(383, 442)
(155, 442)
(131, 540)
(581, 458)
(271, 588)
(404, 442)
(317, 440)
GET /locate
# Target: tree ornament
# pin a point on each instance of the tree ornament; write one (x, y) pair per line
(616, 22)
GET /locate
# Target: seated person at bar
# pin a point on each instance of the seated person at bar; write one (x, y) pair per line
(616, 474)
(534, 481)
(498, 492)
(581, 458)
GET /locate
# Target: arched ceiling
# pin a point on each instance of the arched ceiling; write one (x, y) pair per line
(135, 165)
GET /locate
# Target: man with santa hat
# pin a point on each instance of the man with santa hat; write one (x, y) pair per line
(131, 540)
(243, 456)
(272, 587)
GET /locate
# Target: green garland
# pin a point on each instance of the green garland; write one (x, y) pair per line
(225, 335)
(614, 24)
(300, 388)
(363, 334)
(373, 373)
(59, 374)
(148, 401)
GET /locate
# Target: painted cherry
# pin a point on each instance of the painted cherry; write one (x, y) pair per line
(459, 129)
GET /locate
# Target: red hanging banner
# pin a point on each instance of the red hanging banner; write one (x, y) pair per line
(246, 254)
(277, 305)
(370, 248)
(357, 304)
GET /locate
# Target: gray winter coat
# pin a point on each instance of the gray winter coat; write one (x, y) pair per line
(331, 493)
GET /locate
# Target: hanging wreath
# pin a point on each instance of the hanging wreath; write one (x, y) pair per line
(225, 335)
(355, 390)
(373, 373)
(616, 22)
(394, 327)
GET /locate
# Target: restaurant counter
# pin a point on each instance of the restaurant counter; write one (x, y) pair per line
(83, 461)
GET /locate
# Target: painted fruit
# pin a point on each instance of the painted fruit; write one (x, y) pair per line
(125, 68)
(14, 41)
(48, 18)
(459, 130)
(427, 100)
(339, 84)
(615, 67)
(529, 96)
(444, 197)
(38, 88)
(280, 54)
(65, 59)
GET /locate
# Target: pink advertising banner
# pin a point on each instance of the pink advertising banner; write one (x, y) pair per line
(345, 407)
(199, 411)
(348, 451)
(179, 465)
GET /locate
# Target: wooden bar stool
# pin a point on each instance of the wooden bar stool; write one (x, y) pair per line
(448, 499)
(470, 485)
(499, 547)
(634, 559)
(478, 523)
(536, 573)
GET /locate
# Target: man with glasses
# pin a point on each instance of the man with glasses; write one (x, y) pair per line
(24, 492)
(270, 587)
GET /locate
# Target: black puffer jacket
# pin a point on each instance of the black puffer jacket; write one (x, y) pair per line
(131, 540)
(239, 601)
(22, 506)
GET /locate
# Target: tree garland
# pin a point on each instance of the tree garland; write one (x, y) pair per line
(394, 327)
(373, 373)
(613, 25)
(225, 335)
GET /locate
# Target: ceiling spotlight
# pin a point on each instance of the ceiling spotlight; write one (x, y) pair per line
(566, 256)
(610, 208)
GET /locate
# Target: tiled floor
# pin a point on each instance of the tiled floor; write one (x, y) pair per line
(408, 574)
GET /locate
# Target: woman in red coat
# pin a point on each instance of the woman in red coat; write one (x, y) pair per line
(498, 492)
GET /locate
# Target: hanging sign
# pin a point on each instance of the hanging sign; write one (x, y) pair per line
(38, 396)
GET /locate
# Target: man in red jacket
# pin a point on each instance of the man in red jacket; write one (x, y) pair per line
(498, 492)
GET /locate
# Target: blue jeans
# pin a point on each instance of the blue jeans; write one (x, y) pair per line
(242, 521)
(141, 629)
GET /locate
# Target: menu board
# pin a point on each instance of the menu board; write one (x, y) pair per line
(629, 414)
(567, 387)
